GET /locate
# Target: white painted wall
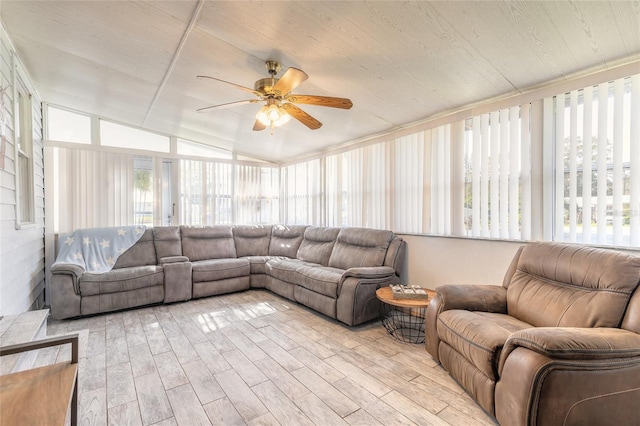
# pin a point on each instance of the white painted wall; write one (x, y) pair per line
(21, 250)
(433, 261)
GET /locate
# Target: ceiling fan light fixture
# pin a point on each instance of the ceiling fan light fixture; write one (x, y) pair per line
(284, 117)
(273, 115)
(263, 115)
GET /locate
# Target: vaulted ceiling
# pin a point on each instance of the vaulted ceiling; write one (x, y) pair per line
(399, 62)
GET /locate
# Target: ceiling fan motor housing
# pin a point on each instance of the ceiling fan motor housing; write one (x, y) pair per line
(265, 85)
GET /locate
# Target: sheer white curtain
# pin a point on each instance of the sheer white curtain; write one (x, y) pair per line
(497, 174)
(90, 188)
(597, 176)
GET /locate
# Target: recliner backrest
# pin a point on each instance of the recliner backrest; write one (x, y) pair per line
(142, 253)
(208, 242)
(167, 241)
(286, 240)
(252, 240)
(317, 244)
(561, 285)
(360, 247)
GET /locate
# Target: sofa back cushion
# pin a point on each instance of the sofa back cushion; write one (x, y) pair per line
(142, 253)
(317, 244)
(210, 242)
(251, 240)
(395, 257)
(167, 241)
(559, 285)
(360, 247)
(286, 240)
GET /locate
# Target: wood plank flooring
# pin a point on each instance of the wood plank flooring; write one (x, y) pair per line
(254, 358)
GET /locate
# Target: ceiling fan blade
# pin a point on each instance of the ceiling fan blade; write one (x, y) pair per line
(246, 89)
(290, 80)
(302, 116)
(227, 105)
(257, 126)
(325, 101)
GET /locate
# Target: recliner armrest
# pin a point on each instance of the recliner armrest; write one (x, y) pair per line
(71, 269)
(369, 272)
(573, 343)
(67, 268)
(485, 298)
(172, 259)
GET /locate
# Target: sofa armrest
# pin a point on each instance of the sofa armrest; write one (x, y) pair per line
(485, 298)
(177, 278)
(64, 287)
(571, 343)
(172, 259)
(567, 375)
(368, 272)
(357, 301)
(71, 269)
(67, 268)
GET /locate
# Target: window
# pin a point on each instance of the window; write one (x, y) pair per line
(67, 126)
(205, 193)
(408, 189)
(24, 154)
(597, 155)
(302, 193)
(143, 191)
(190, 148)
(497, 168)
(257, 192)
(117, 135)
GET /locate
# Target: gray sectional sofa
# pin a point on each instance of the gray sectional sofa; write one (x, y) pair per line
(335, 271)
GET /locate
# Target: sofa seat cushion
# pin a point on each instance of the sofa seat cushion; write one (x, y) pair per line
(320, 279)
(119, 280)
(285, 269)
(219, 269)
(478, 336)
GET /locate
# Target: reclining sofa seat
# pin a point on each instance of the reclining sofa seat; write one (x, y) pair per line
(216, 268)
(135, 279)
(558, 343)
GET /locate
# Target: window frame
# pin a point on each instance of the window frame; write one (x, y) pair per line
(23, 146)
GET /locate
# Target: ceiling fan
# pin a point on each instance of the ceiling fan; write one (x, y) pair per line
(280, 103)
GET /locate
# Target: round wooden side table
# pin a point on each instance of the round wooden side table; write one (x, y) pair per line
(404, 318)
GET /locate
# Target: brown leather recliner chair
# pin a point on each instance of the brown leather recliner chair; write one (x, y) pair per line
(557, 344)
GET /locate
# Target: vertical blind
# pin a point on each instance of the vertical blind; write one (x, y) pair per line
(302, 195)
(92, 188)
(597, 164)
(222, 193)
(497, 174)
(440, 205)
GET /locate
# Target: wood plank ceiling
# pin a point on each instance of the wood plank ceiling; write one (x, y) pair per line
(399, 62)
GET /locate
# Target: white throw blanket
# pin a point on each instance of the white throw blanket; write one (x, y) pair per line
(97, 249)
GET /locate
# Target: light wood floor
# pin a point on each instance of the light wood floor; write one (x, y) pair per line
(254, 358)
